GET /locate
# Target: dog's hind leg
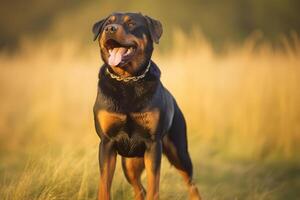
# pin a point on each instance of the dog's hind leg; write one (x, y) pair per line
(133, 168)
(176, 149)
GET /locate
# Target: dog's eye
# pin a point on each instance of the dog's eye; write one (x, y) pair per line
(130, 24)
(109, 21)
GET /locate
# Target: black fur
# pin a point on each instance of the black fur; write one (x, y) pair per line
(138, 118)
(127, 96)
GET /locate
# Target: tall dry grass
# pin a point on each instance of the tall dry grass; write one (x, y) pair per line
(241, 104)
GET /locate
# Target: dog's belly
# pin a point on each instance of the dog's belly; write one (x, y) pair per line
(129, 146)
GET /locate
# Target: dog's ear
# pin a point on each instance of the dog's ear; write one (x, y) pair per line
(97, 27)
(155, 28)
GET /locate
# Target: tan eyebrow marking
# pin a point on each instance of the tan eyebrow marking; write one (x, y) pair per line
(112, 18)
(126, 18)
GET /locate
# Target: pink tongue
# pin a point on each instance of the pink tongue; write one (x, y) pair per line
(116, 56)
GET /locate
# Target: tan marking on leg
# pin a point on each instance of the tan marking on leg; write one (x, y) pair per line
(133, 168)
(152, 159)
(175, 160)
(107, 168)
(152, 181)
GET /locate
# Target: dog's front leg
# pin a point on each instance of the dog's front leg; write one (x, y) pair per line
(107, 162)
(152, 164)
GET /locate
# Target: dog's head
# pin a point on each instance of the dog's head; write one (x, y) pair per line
(126, 41)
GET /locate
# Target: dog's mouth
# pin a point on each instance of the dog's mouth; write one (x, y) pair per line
(119, 54)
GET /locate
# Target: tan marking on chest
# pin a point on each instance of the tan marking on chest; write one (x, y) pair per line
(108, 119)
(147, 120)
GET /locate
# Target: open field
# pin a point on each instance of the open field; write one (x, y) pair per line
(242, 108)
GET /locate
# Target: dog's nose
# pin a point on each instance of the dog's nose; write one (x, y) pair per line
(111, 28)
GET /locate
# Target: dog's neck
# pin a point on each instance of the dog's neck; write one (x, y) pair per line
(129, 78)
(149, 72)
(131, 95)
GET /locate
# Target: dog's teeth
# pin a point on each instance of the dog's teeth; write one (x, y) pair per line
(127, 52)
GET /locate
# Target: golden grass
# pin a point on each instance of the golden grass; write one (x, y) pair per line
(242, 104)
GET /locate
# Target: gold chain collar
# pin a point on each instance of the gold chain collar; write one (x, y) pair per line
(130, 78)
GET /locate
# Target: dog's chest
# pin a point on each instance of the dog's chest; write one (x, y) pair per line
(111, 123)
(129, 131)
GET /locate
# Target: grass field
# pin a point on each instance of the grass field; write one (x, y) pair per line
(242, 108)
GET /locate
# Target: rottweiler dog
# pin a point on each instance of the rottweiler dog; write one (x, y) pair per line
(135, 115)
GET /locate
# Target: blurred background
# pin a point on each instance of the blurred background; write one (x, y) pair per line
(220, 21)
(233, 66)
